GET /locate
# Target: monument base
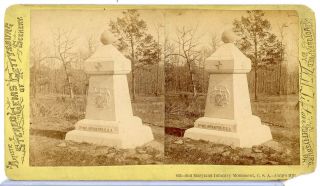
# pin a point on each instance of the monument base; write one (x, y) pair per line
(125, 134)
(244, 133)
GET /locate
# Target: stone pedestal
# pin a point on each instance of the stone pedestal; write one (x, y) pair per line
(109, 119)
(228, 117)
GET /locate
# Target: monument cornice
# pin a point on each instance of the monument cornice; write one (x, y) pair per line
(228, 59)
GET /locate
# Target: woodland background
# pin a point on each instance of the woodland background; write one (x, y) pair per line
(168, 84)
(160, 63)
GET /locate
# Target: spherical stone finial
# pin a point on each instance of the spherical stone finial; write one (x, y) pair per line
(228, 36)
(107, 38)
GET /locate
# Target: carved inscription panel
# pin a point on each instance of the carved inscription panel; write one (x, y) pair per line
(220, 96)
(101, 97)
(217, 126)
(105, 129)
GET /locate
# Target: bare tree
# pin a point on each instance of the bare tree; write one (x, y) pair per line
(282, 48)
(158, 28)
(168, 61)
(64, 45)
(37, 55)
(92, 44)
(214, 42)
(188, 44)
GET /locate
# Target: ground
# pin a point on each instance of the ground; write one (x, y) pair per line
(180, 150)
(53, 116)
(58, 152)
(280, 113)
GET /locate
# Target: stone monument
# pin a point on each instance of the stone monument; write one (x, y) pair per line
(109, 119)
(228, 117)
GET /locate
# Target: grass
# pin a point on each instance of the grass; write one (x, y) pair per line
(182, 111)
(47, 151)
(280, 113)
(52, 116)
(180, 150)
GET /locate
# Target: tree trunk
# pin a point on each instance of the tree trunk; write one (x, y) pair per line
(68, 78)
(158, 66)
(70, 87)
(132, 85)
(194, 89)
(279, 88)
(193, 86)
(132, 77)
(255, 66)
(35, 80)
(255, 84)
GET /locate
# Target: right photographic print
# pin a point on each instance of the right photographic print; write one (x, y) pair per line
(231, 87)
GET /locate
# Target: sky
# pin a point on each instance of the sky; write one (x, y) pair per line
(86, 23)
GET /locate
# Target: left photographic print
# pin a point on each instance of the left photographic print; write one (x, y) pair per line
(96, 87)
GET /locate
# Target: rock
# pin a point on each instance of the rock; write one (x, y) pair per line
(180, 141)
(112, 149)
(141, 151)
(111, 155)
(235, 158)
(273, 145)
(190, 148)
(156, 145)
(258, 156)
(130, 153)
(226, 153)
(262, 162)
(274, 157)
(246, 161)
(144, 156)
(287, 151)
(159, 156)
(256, 150)
(74, 148)
(245, 152)
(265, 149)
(264, 111)
(119, 158)
(284, 156)
(103, 150)
(150, 150)
(71, 142)
(277, 111)
(233, 147)
(218, 150)
(63, 144)
(203, 141)
(273, 163)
